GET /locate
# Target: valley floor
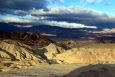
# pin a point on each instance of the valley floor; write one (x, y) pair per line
(53, 70)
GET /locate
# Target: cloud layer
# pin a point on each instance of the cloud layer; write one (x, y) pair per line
(90, 1)
(76, 15)
(8, 6)
(68, 17)
(105, 2)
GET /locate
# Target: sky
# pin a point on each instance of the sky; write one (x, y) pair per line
(62, 13)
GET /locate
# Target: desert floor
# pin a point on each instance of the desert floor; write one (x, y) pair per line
(53, 70)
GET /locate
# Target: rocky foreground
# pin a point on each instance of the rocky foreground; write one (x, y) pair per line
(64, 70)
(89, 59)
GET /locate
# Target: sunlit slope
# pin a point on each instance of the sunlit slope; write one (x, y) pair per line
(91, 54)
(16, 54)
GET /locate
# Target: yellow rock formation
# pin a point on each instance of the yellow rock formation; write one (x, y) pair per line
(15, 54)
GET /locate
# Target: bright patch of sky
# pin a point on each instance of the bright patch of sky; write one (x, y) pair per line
(107, 6)
(15, 16)
(1, 16)
(28, 16)
(9, 15)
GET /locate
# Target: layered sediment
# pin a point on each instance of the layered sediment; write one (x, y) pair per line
(14, 54)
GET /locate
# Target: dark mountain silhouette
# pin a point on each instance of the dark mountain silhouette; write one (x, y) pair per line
(112, 41)
(60, 32)
(101, 41)
(30, 38)
(9, 27)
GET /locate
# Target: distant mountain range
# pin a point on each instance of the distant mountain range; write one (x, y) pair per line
(59, 32)
(28, 38)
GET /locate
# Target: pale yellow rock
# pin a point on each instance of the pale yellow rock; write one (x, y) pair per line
(89, 54)
(50, 51)
(17, 54)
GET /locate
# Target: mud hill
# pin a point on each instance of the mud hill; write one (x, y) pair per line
(17, 49)
(91, 54)
(14, 54)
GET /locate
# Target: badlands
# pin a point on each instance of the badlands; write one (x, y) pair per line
(33, 55)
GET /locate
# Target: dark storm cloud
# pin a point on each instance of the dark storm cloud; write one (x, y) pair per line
(10, 6)
(69, 17)
(78, 15)
(101, 23)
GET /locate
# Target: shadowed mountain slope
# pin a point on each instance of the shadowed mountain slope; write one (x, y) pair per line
(29, 38)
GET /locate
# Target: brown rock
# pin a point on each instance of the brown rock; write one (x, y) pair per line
(101, 41)
(29, 38)
(112, 41)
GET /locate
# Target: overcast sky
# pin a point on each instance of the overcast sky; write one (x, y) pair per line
(63, 13)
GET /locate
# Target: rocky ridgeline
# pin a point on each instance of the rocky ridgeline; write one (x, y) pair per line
(29, 38)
